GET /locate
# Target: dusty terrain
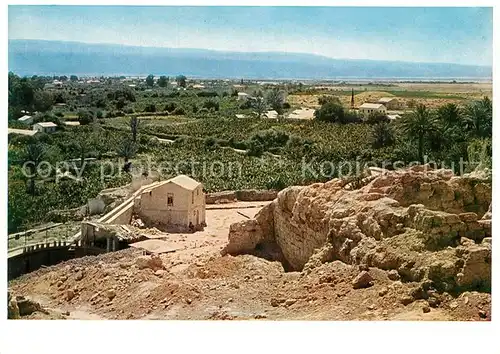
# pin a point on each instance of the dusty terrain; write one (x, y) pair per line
(112, 286)
(459, 93)
(387, 271)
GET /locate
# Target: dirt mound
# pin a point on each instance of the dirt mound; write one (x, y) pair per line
(423, 223)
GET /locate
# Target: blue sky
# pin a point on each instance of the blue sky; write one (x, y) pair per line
(432, 34)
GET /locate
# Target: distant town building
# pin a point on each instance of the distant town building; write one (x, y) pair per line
(26, 120)
(369, 108)
(271, 114)
(21, 131)
(45, 127)
(72, 123)
(390, 102)
(179, 201)
(242, 96)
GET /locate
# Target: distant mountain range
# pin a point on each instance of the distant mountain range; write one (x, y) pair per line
(38, 57)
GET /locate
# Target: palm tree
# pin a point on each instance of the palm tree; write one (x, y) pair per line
(260, 106)
(32, 156)
(478, 117)
(134, 126)
(450, 115)
(84, 144)
(449, 129)
(275, 98)
(382, 135)
(126, 149)
(419, 126)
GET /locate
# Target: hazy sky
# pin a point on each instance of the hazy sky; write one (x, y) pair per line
(450, 35)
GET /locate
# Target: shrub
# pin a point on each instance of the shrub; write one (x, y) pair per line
(207, 94)
(375, 118)
(150, 108)
(276, 183)
(85, 117)
(330, 112)
(203, 111)
(246, 105)
(209, 142)
(179, 111)
(255, 148)
(170, 107)
(211, 104)
(328, 99)
(237, 144)
(352, 117)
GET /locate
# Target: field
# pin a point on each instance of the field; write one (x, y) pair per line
(196, 132)
(430, 94)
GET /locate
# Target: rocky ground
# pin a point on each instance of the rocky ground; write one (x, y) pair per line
(127, 285)
(396, 247)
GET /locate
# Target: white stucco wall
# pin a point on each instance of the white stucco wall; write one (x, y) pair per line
(155, 209)
(368, 111)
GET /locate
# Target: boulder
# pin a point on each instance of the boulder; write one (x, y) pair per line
(362, 280)
(152, 262)
(27, 306)
(12, 308)
(110, 294)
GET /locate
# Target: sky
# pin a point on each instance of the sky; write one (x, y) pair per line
(426, 34)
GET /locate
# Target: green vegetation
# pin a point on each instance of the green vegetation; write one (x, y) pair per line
(122, 122)
(425, 94)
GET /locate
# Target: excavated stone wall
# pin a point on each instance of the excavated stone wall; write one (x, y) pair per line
(424, 223)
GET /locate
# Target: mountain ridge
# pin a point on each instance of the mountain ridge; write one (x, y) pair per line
(45, 57)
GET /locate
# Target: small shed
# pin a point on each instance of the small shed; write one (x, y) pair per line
(177, 202)
(45, 127)
(242, 96)
(26, 119)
